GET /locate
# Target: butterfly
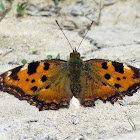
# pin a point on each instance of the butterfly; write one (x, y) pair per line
(50, 84)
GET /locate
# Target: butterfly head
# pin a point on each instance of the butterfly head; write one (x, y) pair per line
(75, 54)
(75, 60)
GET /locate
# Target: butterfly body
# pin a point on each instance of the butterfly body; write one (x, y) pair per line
(50, 84)
(75, 68)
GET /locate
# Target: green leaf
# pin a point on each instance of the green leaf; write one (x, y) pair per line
(2, 7)
(58, 56)
(34, 52)
(132, 123)
(21, 8)
(49, 56)
(24, 61)
(117, 20)
(83, 57)
(56, 2)
(68, 57)
(12, 63)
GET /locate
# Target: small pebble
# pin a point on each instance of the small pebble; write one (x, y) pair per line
(76, 11)
(109, 2)
(75, 121)
(103, 132)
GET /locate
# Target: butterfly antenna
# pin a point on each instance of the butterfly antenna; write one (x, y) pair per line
(64, 34)
(85, 34)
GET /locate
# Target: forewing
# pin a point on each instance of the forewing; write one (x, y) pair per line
(43, 84)
(108, 80)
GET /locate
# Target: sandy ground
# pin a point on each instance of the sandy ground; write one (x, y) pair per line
(21, 37)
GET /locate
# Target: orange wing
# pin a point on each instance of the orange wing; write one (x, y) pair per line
(108, 81)
(42, 84)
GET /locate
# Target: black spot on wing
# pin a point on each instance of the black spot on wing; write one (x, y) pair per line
(13, 75)
(104, 65)
(44, 78)
(117, 86)
(118, 78)
(16, 78)
(48, 86)
(27, 79)
(104, 83)
(107, 76)
(118, 67)
(34, 88)
(46, 66)
(33, 80)
(32, 67)
(124, 77)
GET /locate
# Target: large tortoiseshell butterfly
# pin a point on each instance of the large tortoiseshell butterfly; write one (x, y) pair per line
(50, 84)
